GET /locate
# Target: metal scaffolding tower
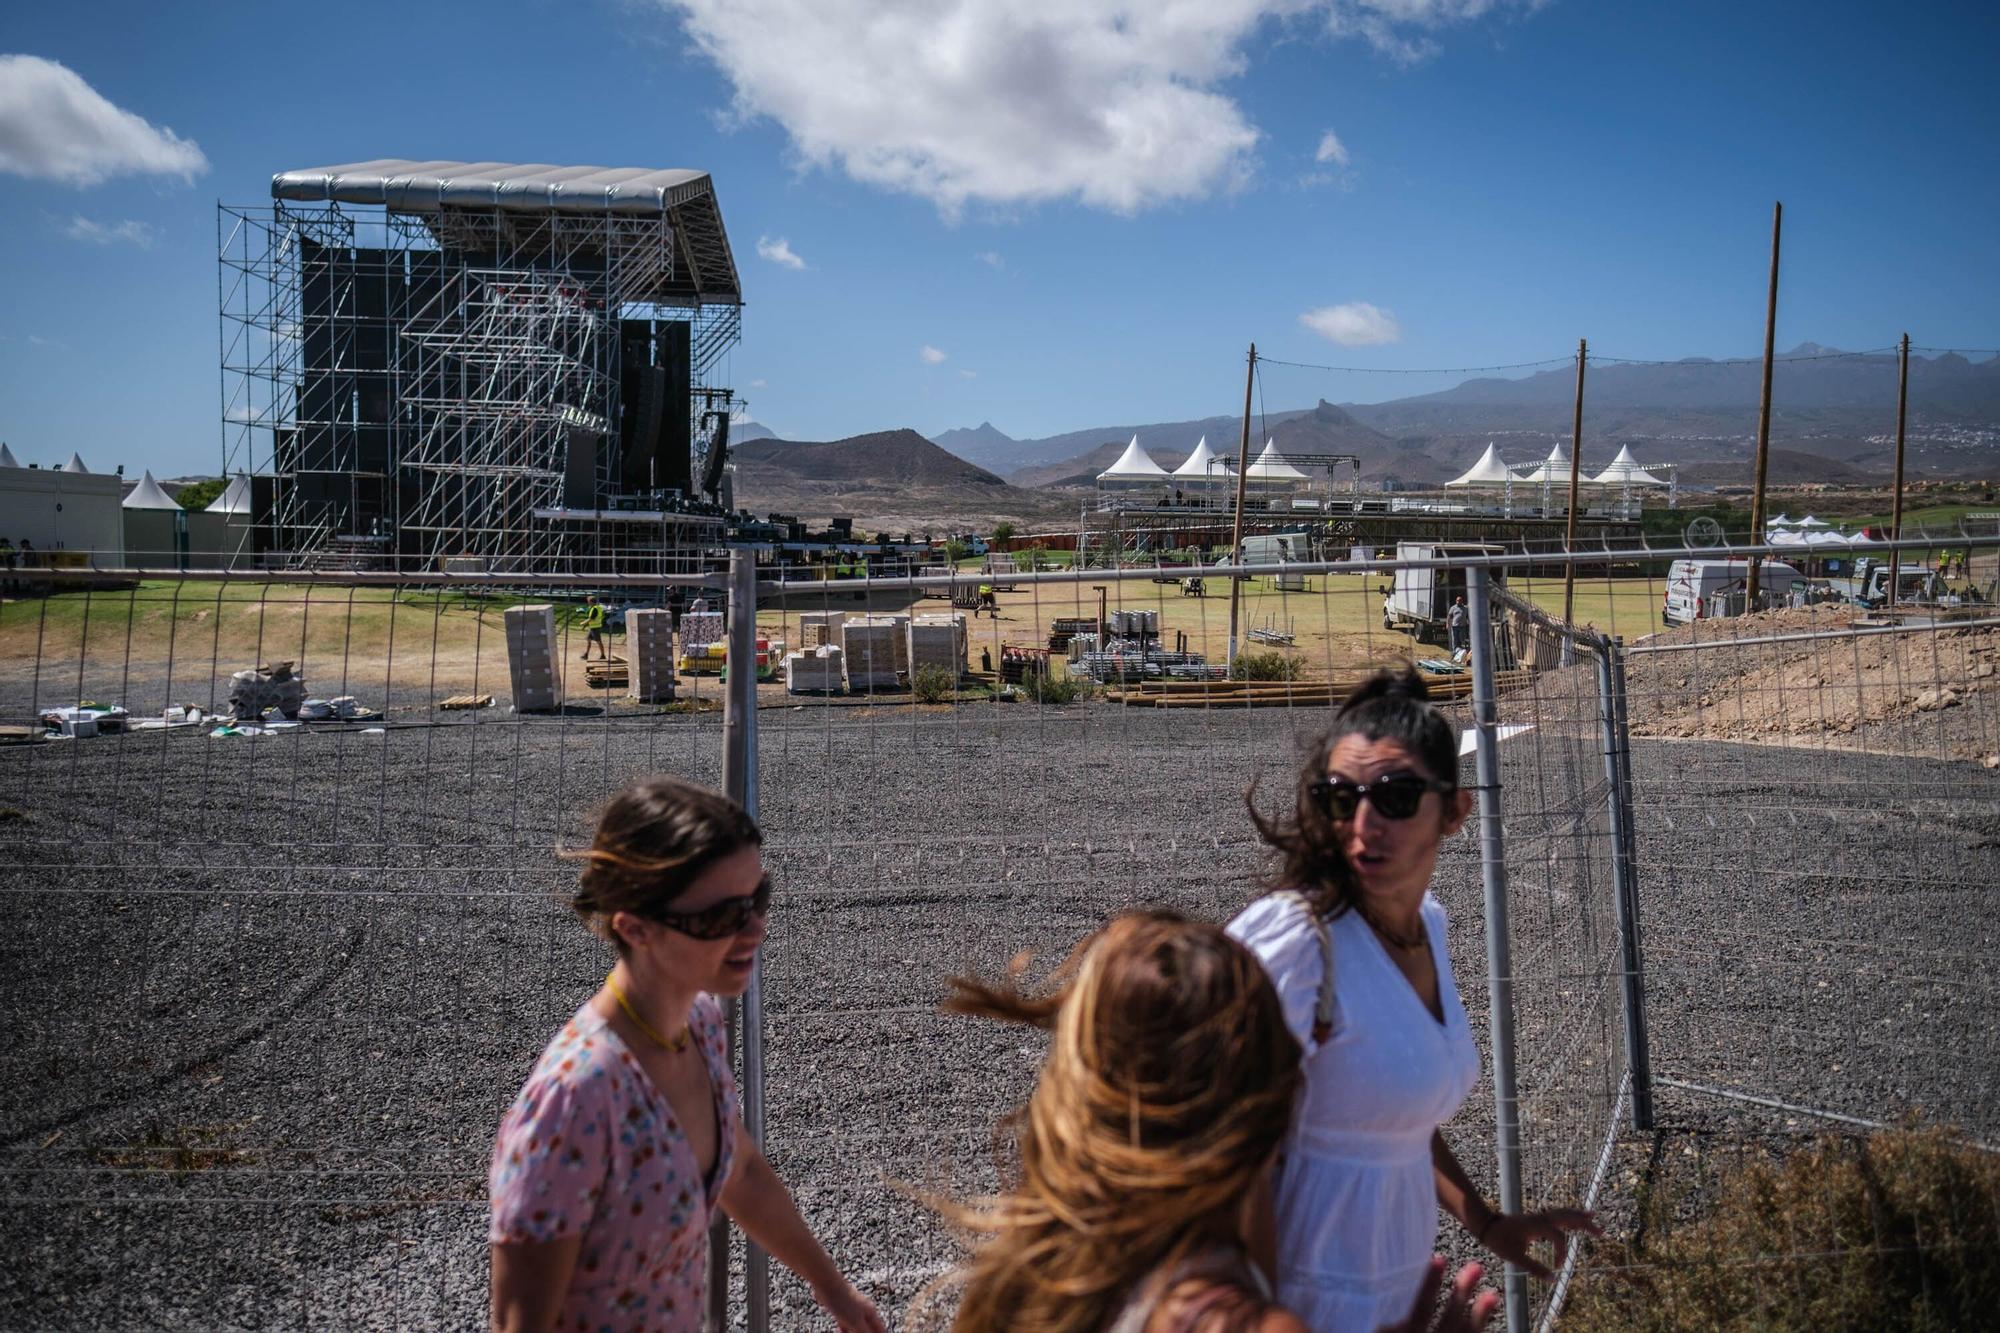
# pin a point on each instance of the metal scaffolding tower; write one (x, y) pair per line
(428, 362)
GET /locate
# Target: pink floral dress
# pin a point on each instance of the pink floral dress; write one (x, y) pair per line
(590, 1147)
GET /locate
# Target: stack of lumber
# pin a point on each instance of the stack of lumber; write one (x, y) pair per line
(877, 650)
(606, 673)
(1283, 693)
(820, 627)
(532, 673)
(938, 639)
(814, 671)
(649, 638)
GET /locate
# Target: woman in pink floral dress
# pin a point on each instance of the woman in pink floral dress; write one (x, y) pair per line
(626, 1138)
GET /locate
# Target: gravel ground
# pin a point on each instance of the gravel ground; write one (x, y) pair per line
(268, 998)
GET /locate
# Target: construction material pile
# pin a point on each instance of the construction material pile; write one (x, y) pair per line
(814, 671)
(820, 627)
(877, 650)
(649, 642)
(1285, 693)
(938, 639)
(531, 657)
(273, 685)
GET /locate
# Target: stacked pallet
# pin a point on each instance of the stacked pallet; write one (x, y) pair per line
(1286, 694)
(877, 650)
(814, 671)
(701, 628)
(820, 627)
(938, 639)
(649, 640)
(531, 657)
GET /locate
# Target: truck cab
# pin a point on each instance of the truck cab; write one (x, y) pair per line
(1690, 583)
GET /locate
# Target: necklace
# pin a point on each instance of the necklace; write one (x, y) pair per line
(1416, 941)
(679, 1041)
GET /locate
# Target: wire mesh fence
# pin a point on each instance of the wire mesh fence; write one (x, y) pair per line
(274, 984)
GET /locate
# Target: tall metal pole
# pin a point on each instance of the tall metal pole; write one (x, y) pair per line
(1236, 539)
(1902, 414)
(1499, 952)
(739, 783)
(1575, 483)
(1764, 410)
(1638, 1052)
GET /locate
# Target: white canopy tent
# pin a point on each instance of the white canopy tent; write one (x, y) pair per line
(148, 494)
(1197, 462)
(7, 458)
(235, 497)
(1554, 468)
(1270, 465)
(1491, 470)
(1135, 464)
(1779, 522)
(75, 464)
(1625, 470)
(1810, 522)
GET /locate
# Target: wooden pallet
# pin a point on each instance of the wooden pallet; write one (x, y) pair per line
(458, 701)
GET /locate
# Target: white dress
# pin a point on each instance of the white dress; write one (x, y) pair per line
(1356, 1197)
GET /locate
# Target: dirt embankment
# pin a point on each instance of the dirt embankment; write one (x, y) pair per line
(1933, 692)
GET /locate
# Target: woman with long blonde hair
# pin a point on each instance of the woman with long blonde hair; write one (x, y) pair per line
(1146, 1148)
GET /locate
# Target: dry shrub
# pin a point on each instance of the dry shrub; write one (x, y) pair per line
(1253, 665)
(933, 684)
(1898, 1230)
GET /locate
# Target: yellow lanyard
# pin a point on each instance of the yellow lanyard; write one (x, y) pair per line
(677, 1045)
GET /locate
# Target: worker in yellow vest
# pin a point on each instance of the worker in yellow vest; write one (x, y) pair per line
(593, 628)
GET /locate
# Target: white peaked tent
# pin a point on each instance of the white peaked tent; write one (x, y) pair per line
(1779, 522)
(149, 495)
(75, 464)
(1135, 464)
(235, 497)
(1810, 522)
(1488, 471)
(1553, 468)
(1624, 471)
(1197, 462)
(1271, 466)
(7, 458)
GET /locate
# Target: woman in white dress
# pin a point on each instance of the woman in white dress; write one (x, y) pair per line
(1354, 942)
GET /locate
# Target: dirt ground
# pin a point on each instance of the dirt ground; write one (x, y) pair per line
(1931, 693)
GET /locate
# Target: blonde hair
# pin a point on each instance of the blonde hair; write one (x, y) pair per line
(1169, 1083)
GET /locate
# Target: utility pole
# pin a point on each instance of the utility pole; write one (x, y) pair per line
(1902, 413)
(1764, 411)
(1575, 482)
(1236, 539)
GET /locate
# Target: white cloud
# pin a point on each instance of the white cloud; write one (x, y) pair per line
(1119, 104)
(1331, 149)
(1355, 324)
(54, 126)
(757, 384)
(968, 374)
(778, 252)
(991, 258)
(931, 355)
(127, 232)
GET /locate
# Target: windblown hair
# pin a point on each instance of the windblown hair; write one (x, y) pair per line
(1169, 1083)
(653, 840)
(1389, 706)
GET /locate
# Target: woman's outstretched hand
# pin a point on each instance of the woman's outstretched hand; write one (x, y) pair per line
(1465, 1309)
(852, 1312)
(1510, 1236)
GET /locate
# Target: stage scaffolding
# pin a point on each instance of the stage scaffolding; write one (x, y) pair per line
(422, 361)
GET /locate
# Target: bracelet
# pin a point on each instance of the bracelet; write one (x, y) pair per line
(1479, 1236)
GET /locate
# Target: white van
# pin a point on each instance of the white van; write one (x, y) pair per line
(1689, 583)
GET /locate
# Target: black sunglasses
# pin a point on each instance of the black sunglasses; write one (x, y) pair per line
(1394, 797)
(719, 920)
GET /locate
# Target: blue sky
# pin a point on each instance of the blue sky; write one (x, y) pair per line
(1087, 208)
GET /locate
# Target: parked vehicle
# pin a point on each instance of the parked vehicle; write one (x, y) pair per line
(1914, 583)
(1420, 598)
(1690, 584)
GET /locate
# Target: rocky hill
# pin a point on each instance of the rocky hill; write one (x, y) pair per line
(893, 479)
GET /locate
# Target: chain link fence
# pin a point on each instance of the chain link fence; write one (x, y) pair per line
(273, 985)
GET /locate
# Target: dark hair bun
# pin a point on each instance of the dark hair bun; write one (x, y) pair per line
(1392, 683)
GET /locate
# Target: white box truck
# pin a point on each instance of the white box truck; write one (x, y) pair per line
(1690, 583)
(1419, 599)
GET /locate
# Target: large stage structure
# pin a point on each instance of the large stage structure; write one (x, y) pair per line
(482, 366)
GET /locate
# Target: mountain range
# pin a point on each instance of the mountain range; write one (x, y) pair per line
(1699, 413)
